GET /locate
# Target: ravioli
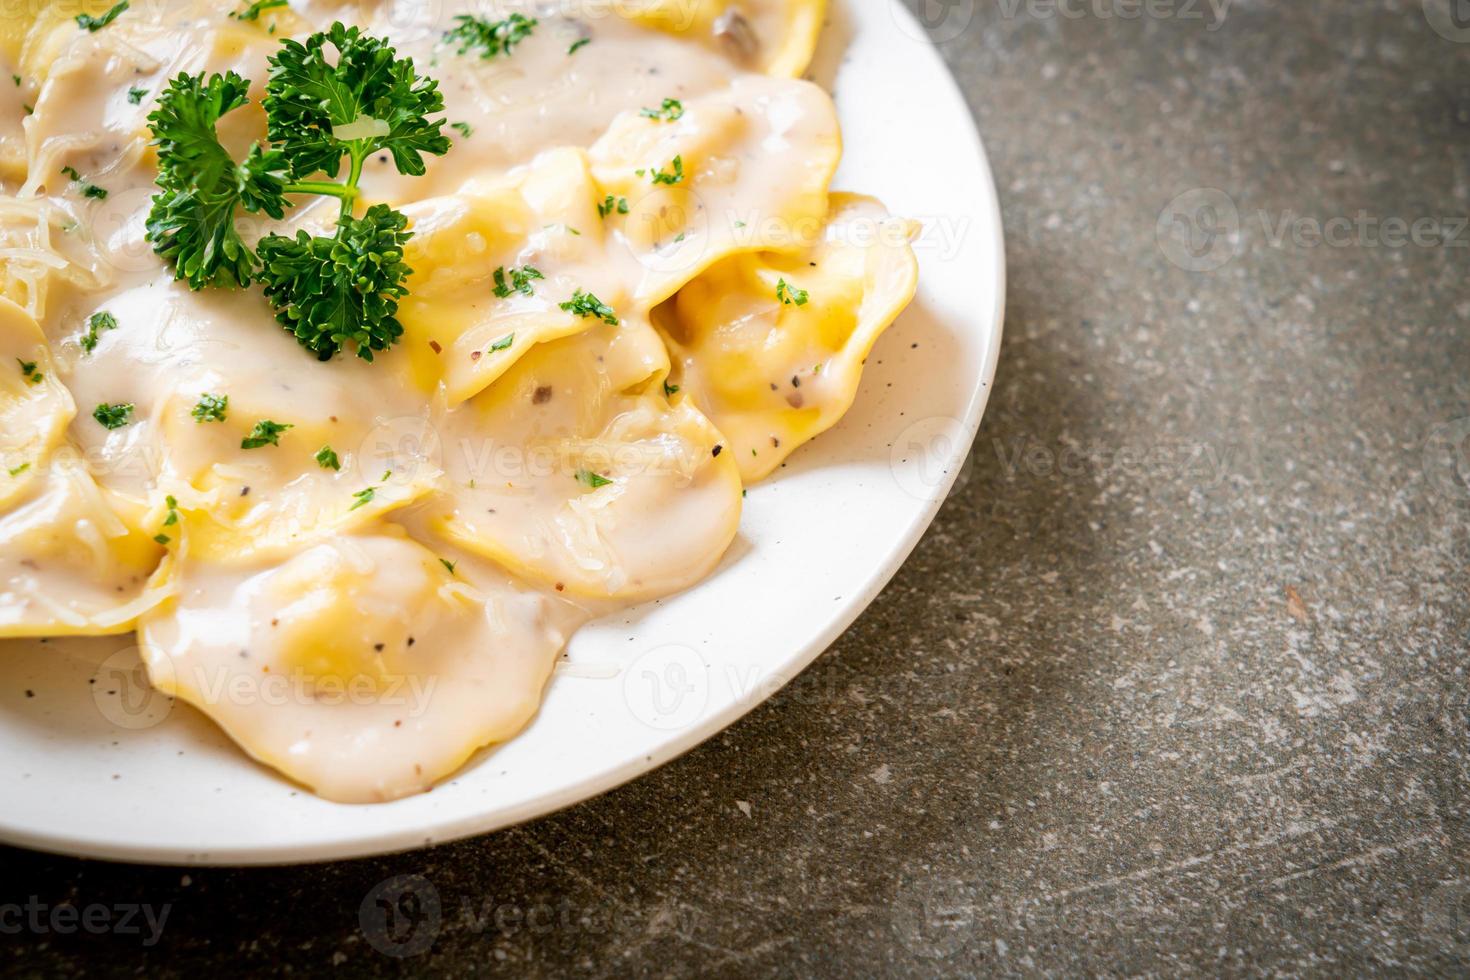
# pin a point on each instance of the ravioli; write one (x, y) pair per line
(574, 469)
(364, 572)
(171, 348)
(741, 170)
(70, 565)
(35, 408)
(771, 346)
(776, 37)
(539, 229)
(361, 667)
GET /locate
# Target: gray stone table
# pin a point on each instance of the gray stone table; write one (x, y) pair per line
(1175, 683)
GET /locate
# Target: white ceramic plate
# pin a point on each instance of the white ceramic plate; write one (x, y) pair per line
(91, 765)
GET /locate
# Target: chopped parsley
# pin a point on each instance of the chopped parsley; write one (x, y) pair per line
(88, 190)
(113, 416)
(503, 342)
(590, 479)
(670, 390)
(676, 177)
(93, 24)
(670, 110)
(259, 7)
(584, 304)
(789, 295)
(463, 128)
(211, 408)
(265, 433)
(170, 520)
(610, 204)
(326, 458)
(97, 323)
(520, 281)
(29, 372)
(363, 498)
(18, 470)
(492, 37)
(580, 42)
(135, 95)
(448, 564)
(329, 291)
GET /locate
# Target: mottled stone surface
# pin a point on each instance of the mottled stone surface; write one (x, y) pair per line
(1176, 682)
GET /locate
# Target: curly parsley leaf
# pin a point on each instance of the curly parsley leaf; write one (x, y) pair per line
(331, 291)
(192, 222)
(368, 101)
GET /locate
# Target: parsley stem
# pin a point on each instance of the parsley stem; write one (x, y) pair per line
(322, 187)
(358, 155)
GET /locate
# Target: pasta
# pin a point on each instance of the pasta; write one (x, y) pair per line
(590, 282)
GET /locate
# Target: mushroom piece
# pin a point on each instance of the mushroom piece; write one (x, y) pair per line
(734, 33)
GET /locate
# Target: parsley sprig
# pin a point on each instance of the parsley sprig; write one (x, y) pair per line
(339, 97)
